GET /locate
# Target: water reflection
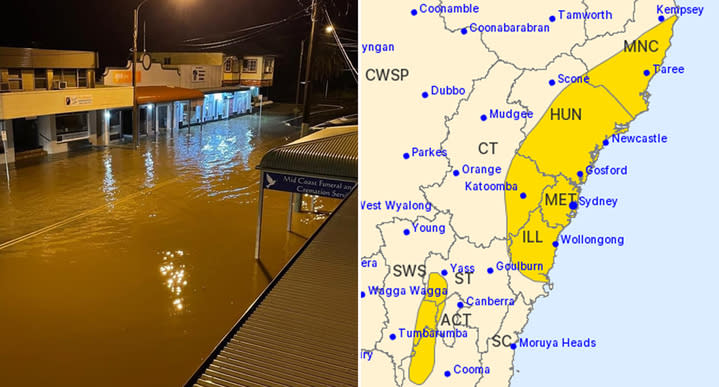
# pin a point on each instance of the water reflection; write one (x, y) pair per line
(174, 276)
(108, 183)
(149, 169)
(317, 208)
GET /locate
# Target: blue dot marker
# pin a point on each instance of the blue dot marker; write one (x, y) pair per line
(513, 346)
(490, 270)
(552, 82)
(646, 73)
(552, 18)
(447, 373)
(444, 272)
(406, 155)
(580, 173)
(605, 142)
(464, 31)
(406, 231)
(425, 94)
(483, 118)
(392, 336)
(460, 305)
(523, 195)
(573, 205)
(555, 244)
(362, 294)
(661, 18)
(414, 12)
(456, 172)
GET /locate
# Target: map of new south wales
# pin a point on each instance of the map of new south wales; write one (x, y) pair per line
(503, 116)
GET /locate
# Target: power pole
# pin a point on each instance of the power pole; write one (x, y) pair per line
(299, 73)
(135, 132)
(308, 69)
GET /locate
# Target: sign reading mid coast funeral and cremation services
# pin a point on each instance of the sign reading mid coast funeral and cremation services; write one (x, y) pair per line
(308, 185)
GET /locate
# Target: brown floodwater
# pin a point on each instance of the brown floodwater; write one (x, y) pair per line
(122, 267)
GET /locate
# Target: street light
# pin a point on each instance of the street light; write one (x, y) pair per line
(329, 28)
(135, 124)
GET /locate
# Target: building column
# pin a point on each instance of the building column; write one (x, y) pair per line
(156, 113)
(106, 127)
(172, 118)
(168, 118)
(48, 135)
(92, 127)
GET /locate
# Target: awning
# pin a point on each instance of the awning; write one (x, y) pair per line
(331, 152)
(224, 89)
(323, 164)
(158, 94)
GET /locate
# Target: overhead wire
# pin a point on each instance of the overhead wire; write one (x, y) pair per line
(255, 30)
(341, 47)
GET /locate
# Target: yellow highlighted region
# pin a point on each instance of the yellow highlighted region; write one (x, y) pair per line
(533, 245)
(528, 194)
(430, 310)
(623, 74)
(565, 142)
(564, 146)
(556, 200)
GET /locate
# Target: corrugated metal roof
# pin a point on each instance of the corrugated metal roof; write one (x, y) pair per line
(17, 57)
(302, 330)
(330, 152)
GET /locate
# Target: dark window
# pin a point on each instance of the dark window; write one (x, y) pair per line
(14, 78)
(40, 79)
(249, 65)
(81, 78)
(69, 123)
(73, 77)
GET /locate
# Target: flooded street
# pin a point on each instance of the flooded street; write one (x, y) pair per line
(117, 263)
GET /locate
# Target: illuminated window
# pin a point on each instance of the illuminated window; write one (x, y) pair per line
(249, 65)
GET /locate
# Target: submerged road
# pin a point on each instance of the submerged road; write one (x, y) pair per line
(122, 267)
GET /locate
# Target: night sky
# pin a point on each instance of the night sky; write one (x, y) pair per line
(106, 27)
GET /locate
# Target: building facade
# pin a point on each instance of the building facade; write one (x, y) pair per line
(257, 71)
(49, 100)
(227, 90)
